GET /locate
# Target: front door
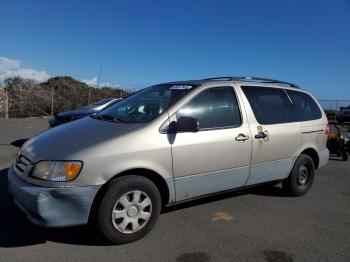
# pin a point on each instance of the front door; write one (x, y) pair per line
(217, 157)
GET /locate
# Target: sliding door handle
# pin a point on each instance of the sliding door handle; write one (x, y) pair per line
(261, 135)
(241, 137)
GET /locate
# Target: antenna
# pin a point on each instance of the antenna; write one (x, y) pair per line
(97, 83)
(99, 76)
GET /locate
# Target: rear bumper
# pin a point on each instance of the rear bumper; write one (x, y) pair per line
(52, 207)
(323, 156)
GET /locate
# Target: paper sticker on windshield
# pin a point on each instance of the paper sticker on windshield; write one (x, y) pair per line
(181, 87)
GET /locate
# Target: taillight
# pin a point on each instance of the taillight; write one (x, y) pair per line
(326, 131)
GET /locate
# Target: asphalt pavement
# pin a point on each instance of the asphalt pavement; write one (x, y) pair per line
(260, 224)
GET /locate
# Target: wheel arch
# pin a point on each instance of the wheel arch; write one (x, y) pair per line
(156, 178)
(311, 152)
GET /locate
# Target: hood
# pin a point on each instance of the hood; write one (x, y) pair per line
(76, 113)
(62, 142)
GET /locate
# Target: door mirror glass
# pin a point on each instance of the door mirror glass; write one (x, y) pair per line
(187, 124)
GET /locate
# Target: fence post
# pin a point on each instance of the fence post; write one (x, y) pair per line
(89, 95)
(51, 101)
(336, 109)
(6, 105)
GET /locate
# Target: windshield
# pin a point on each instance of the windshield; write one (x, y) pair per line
(103, 101)
(98, 103)
(345, 112)
(145, 105)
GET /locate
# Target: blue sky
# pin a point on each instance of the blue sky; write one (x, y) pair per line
(141, 43)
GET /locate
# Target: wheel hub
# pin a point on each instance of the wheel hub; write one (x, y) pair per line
(132, 212)
(303, 175)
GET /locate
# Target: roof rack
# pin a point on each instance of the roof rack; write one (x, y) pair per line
(252, 79)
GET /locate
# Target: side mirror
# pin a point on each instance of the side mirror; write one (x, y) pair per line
(187, 124)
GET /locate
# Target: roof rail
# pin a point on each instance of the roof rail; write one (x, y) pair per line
(252, 79)
(228, 78)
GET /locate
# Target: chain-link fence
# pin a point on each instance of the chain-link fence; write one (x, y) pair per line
(24, 104)
(24, 98)
(42, 103)
(333, 107)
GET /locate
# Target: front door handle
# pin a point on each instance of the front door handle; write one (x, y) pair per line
(261, 135)
(241, 137)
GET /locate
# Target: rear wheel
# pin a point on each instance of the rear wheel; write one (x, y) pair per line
(301, 178)
(129, 209)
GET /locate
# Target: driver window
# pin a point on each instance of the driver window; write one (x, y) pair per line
(214, 108)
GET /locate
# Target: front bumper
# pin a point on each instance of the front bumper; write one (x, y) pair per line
(52, 207)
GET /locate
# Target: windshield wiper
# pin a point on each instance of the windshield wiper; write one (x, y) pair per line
(110, 118)
(97, 116)
(118, 119)
(135, 121)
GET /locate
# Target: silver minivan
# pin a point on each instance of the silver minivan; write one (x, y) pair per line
(169, 143)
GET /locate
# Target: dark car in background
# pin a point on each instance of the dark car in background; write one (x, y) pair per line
(343, 114)
(338, 140)
(88, 110)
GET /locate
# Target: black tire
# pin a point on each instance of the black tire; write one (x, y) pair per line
(345, 156)
(299, 183)
(115, 190)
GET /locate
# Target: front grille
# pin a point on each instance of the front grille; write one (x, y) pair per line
(22, 163)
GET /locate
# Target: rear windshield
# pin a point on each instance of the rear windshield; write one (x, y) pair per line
(145, 105)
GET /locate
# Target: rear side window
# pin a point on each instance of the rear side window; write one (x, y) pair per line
(270, 105)
(213, 108)
(305, 106)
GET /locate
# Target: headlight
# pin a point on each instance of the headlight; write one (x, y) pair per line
(58, 171)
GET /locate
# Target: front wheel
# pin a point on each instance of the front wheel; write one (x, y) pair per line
(129, 209)
(302, 176)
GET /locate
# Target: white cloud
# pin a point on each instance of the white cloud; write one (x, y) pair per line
(93, 82)
(11, 67)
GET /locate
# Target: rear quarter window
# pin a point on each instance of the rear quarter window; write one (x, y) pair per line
(305, 106)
